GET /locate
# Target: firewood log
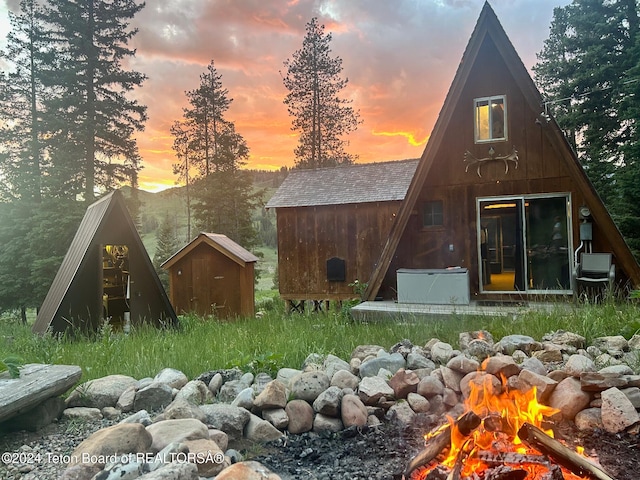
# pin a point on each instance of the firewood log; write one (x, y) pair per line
(535, 438)
(441, 440)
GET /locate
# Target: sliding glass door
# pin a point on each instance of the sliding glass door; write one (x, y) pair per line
(524, 244)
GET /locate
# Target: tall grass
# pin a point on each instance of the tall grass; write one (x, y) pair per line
(285, 340)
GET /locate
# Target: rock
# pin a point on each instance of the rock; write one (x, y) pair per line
(276, 417)
(227, 418)
(599, 381)
(37, 417)
(501, 365)
(578, 364)
(401, 414)
(300, 415)
(84, 414)
(392, 362)
(465, 338)
(451, 378)
(328, 402)
(569, 398)
(260, 430)
(363, 351)
(126, 399)
(182, 408)
(155, 396)
(110, 413)
(543, 384)
(617, 369)
(215, 383)
(176, 430)
(249, 470)
(352, 411)
(308, 385)
(441, 352)
(285, 375)
(174, 471)
(463, 364)
(313, 362)
(195, 392)
(430, 387)
(260, 382)
(533, 365)
(274, 395)
(480, 349)
(221, 438)
(345, 379)
(332, 364)
(550, 353)
(481, 381)
(416, 359)
(142, 417)
(404, 382)
(618, 413)
(327, 424)
(511, 343)
(418, 403)
(372, 389)
(614, 345)
(562, 337)
(101, 392)
(118, 439)
(171, 377)
(80, 472)
(633, 394)
(244, 399)
(589, 419)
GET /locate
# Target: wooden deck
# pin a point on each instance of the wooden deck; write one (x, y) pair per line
(36, 384)
(368, 311)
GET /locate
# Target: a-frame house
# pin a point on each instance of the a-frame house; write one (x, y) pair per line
(106, 275)
(498, 190)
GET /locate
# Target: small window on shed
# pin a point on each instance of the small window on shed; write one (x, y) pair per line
(490, 118)
(432, 214)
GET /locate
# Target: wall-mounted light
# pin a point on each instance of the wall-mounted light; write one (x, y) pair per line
(179, 272)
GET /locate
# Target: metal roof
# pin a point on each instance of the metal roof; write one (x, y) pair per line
(345, 184)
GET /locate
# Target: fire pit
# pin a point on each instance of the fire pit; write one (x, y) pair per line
(500, 436)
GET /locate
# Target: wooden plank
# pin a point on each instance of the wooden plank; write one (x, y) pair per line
(37, 383)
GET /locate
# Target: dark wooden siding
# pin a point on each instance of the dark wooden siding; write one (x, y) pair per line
(309, 236)
(541, 170)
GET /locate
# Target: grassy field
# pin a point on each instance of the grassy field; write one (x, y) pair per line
(281, 340)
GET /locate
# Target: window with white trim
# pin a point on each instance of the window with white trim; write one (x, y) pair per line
(490, 118)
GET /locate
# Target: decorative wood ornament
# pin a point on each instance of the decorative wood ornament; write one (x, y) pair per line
(472, 160)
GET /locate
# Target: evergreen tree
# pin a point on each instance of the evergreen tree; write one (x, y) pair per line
(222, 193)
(167, 246)
(319, 114)
(589, 71)
(92, 121)
(21, 104)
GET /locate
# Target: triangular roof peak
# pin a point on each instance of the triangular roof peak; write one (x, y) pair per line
(489, 29)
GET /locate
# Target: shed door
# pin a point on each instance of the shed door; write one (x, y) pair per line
(524, 244)
(200, 300)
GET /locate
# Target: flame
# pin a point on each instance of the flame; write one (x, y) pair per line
(503, 411)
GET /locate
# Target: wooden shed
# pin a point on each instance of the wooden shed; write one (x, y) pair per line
(105, 275)
(212, 275)
(498, 191)
(332, 224)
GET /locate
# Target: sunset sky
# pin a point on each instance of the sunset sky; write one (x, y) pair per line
(399, 56)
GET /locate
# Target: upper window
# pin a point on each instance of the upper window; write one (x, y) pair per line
(432, 214)
(490, 118)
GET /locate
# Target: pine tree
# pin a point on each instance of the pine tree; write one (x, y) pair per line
(21, 98)
(167, 246)
(583, 70)
(223, 196)
(93, 123)
(319, 114)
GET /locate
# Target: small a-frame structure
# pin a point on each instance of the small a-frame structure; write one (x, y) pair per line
(105, 275)
(498, 191)
(212, 275)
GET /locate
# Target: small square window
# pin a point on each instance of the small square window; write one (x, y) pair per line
(490, 118)
(433, 214)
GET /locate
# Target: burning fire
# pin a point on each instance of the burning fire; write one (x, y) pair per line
(495, 441)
